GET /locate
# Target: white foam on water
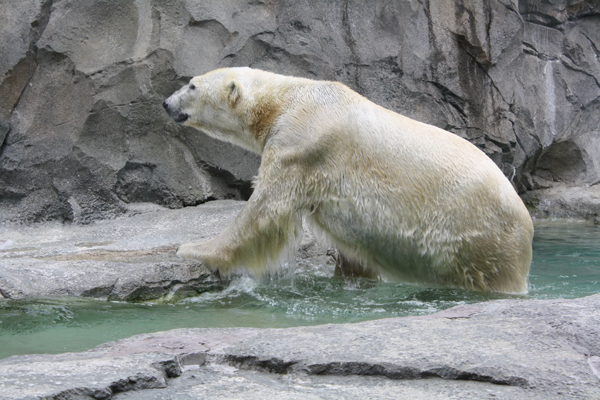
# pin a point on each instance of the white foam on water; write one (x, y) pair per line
(238, 284)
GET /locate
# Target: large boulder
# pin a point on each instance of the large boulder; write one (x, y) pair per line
(82, 133)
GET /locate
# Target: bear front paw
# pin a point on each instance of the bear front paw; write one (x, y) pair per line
(206, 253)
(190, 251)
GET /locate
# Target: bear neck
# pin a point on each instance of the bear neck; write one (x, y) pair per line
(264, 115)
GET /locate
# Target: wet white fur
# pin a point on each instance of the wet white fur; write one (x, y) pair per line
(411, 200)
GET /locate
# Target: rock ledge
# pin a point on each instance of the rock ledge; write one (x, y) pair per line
(506, 349)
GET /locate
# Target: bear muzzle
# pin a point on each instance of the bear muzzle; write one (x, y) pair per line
(174, 113)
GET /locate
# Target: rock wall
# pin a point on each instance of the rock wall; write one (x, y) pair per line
(83, 134)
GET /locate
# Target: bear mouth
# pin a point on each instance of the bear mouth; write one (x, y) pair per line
(181, 118)
(174, 113)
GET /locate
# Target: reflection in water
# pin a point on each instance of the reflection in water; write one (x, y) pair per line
(566, 265)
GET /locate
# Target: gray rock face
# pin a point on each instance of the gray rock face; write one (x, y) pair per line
(81, 85)
(508, 349)
(565, 202)
(130, 259)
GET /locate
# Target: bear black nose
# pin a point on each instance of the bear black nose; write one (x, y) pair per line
(165, 106)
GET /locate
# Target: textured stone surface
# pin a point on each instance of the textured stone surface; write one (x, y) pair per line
(80, 376)
(129, 258)
(81, 85)
(565, 202)
(504, 349)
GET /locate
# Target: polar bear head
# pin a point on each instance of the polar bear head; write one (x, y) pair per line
(227, 104)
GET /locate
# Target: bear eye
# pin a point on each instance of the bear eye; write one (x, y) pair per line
(192, 87)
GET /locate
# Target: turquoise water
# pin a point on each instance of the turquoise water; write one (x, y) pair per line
(566, 264)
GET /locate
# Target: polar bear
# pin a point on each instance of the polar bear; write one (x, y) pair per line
(409, 200)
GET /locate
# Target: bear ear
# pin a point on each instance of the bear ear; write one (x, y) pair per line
(234, 92)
